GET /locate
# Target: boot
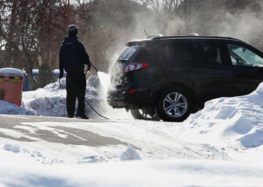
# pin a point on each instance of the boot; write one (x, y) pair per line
(82, 116)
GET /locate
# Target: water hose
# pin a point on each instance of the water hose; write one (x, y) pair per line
(87, 101)
(83, 95)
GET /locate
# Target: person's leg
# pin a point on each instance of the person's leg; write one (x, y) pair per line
(71, 94)
(81, 86)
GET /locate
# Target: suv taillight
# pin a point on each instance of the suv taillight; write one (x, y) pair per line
(136, 66)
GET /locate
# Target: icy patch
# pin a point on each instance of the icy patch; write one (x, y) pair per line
(18, 153)
(91, 159)
(12, 148)
(16, 134)
(36, 154)
(31, 130)
(130, 154)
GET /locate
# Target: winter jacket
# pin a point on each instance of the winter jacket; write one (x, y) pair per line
(72, 55)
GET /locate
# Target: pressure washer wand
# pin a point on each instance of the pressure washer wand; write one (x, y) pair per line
(94, 67)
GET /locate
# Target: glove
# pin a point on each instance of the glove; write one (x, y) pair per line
(89, 67)
(60, 75)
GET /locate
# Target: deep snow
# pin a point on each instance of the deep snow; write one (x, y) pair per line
(220, 145)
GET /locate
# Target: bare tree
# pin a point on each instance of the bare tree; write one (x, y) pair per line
(161, 5)
(31, 32)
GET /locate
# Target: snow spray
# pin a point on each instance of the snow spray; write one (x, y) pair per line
(104, 79)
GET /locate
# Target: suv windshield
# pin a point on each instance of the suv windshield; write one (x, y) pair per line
(127, 53)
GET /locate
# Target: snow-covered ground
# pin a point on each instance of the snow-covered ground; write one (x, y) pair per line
(220, 145)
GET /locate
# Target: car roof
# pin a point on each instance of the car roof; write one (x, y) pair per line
(187, 37)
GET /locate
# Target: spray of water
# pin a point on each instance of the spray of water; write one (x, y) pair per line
(104, 81)
(105, 109)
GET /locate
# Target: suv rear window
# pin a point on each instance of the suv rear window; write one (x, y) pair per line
(127, 53)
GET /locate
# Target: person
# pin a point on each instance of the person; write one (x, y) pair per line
(72, 57)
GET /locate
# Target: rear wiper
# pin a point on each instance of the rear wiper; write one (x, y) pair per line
(122, 60)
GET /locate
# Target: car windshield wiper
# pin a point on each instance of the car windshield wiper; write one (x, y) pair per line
(122, 60)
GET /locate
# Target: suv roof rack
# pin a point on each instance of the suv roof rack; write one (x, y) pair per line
(155, 36)
(194, 36)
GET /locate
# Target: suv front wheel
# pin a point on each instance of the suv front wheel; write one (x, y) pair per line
(174, 104)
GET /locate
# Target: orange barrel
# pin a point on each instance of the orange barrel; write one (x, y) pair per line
(11, 85)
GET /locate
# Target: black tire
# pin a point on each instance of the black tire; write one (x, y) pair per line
(140, 114)
(174, 104)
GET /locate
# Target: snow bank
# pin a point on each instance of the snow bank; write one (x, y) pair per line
(131, 174)
(237, 119)
(10, 108)
(130, 154)
(51, 100)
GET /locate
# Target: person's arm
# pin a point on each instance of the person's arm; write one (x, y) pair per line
(84, 56)
(61, 67)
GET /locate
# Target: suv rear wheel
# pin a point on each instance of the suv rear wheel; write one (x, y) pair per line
(142, 114)
(174, 104)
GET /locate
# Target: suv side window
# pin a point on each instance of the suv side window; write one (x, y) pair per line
(208, 53)
(176, 53)
(186, 52)
(242, 56)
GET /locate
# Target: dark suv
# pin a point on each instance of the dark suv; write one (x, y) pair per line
(171, 77)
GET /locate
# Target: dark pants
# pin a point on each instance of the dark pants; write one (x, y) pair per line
(76, 87)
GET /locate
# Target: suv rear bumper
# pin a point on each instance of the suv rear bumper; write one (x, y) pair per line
(122, 99)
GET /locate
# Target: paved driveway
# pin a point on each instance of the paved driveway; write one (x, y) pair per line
(20, 128)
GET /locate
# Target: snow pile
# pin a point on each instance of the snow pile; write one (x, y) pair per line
(12, 148)
(235, 119)
(51, 100)
(10, 108)
(132, 174)
(130, 154)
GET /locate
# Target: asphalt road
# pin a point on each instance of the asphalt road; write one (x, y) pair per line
(73, 136)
